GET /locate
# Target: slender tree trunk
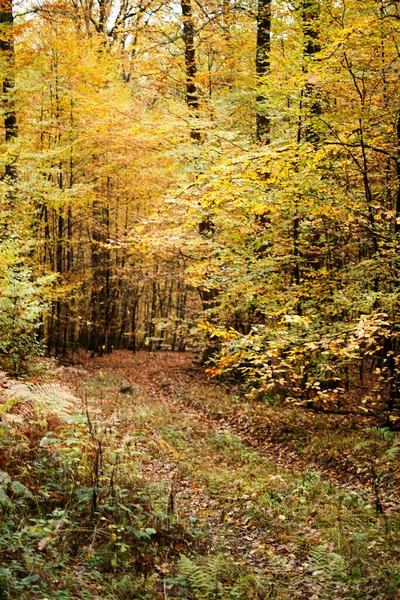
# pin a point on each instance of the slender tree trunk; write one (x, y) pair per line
(311, 100)
(7, 52)
(227, 23)
(192, 99)
(263, 65)
(310, 103)
(397, 207)
(59, 269)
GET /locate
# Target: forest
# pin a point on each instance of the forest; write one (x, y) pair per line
(199, 299)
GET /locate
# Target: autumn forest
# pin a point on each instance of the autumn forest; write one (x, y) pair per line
(199, 299)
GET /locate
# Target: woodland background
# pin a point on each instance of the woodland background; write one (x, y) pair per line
(160, 159)
(208, 175)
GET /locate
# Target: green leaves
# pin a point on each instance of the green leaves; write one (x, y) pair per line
(11, 490)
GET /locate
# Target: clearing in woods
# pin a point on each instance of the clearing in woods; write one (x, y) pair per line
(159, 484)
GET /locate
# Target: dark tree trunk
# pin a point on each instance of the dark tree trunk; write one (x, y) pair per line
(312, 46)
(99, 293)
(397, 207)
(310, 106)
(263, 65)
(192, 99)
(7, 51)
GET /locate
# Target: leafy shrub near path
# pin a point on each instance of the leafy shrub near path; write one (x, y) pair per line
(304, 363)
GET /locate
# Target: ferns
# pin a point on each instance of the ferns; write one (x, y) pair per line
(329, 568)
(19, 489)
(4, 479)
(13, 488)
(24, 399)
(218, 577)
(53, 397)
(203, 579)
(5, 502)
(328, 564)
(383, 433)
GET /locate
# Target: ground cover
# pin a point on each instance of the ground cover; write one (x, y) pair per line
(132, 476)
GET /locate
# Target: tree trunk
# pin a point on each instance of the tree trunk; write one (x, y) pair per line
(310, 103)
(397, 206)
(312, 46)
(7, 51)
(192, 99)
(263, 65)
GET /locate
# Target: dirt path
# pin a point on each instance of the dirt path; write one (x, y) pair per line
(177, 458)
(264, 510)
(178, 380)
(133, 477)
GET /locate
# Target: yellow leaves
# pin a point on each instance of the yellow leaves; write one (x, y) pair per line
(225, 362)
(220, 332)
(166, 446)
(297, 319)
(214, 371)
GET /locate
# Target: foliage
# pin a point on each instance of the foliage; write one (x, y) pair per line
(23, 293)
(297, 318)
(139, 498)
(21, 308)
(80, 504)
(135, 203)
(291, 244)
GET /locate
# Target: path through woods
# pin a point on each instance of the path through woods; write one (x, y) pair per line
(290, 526)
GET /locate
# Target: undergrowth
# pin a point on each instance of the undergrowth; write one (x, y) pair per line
(111, 494)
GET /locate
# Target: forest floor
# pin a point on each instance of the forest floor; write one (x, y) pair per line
(160, 484)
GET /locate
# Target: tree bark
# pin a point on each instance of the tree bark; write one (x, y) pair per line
(263, 66)
(7, 50)
(192, 99)
(312, 46)
(397, 206)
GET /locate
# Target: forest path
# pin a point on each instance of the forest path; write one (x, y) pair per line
(275, 518)
(204, 465)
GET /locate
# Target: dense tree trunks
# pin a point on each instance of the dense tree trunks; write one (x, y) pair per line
(263, 65)
(192, 99)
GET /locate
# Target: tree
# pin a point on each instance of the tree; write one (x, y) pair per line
(7, 55)
(263, 64)
(190, 66)
(302, 254)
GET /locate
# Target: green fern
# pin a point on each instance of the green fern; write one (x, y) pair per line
(5, 502)
(329, 567)
(203, 579)
(19, 489)
(16, 487)
(383, 442)
(383, 433)
(4, 479)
